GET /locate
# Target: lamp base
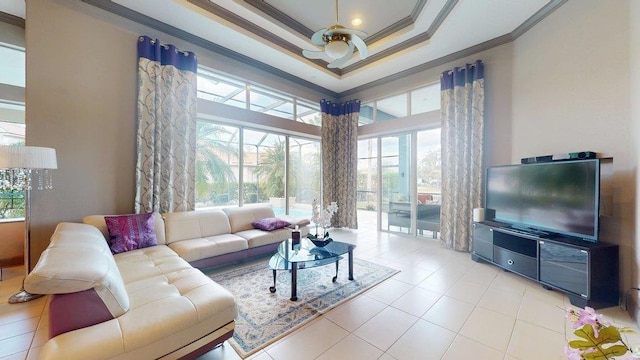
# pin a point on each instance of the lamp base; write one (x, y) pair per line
(23, 296)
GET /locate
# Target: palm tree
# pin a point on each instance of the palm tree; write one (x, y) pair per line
(213, 173)
(271, 170)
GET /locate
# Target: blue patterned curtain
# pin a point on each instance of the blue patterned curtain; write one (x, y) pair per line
(462, 115)
(340, 159)
(166, 117)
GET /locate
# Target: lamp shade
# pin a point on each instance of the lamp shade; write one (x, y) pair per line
(27, 157)
(337, 49)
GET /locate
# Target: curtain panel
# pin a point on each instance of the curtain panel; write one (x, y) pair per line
(462, 115)
(340, 159)
(166, 136)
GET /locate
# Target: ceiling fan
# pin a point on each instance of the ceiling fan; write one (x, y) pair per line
(339, 43)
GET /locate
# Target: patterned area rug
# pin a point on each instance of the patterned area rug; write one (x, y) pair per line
(264, 317)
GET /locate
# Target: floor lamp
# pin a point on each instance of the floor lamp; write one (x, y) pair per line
(27, 168)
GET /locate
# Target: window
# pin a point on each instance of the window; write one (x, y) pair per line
(12, 65)
(416, 101)
(237, 166)
(226, 90)
(12, 132)
(425, 99)
(216, 164)
(304, 175)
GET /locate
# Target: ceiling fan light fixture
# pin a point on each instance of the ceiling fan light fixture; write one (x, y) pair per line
(337, 49)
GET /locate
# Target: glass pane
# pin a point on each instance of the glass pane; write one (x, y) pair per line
(215, 87)
(264, 169)
(270, 102)
(367, 192)
(308, 113)
(366, 114)
(428, 181)
(304, 175)
(391, 107)
(216, 165)
(12, 66)
(12, 128)
(396, 195)
(425, 99)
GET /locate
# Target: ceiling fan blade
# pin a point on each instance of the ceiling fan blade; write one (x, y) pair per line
(344, 59)
(316, 38)
(313, 54)
(346, 31)
(362, 47)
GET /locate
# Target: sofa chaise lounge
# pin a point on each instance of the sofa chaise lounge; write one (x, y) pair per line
(150, 302)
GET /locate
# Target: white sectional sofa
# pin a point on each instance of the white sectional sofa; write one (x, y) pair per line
(151, 302)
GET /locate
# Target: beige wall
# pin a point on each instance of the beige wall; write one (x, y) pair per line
(571, 93)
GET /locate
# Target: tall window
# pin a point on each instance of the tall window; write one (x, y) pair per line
(216, 164)
(305, 178)
(12, 127)
(237, 166)
(367, 182)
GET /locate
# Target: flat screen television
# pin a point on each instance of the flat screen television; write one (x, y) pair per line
(560, 197)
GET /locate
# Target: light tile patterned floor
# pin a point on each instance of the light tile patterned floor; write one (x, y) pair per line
(442, 306)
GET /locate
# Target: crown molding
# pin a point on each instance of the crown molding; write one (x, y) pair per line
(145, 20)
(127, 13)
(12, 19)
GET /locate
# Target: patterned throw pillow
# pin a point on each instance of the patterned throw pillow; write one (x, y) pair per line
(130, 232)
(270, 224)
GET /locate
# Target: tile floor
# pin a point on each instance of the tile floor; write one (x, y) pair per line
(442, 305)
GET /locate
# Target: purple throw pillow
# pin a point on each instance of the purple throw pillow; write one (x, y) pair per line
(130, 232)
(270, 224)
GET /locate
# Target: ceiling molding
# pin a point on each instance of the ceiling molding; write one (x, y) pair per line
(294, 25)
(253, 28)
(181, 34)
(12, 19)
(504, 39)
(537, 17)
(286, 20)
(139, 18)
(425, 36)
(281, 17)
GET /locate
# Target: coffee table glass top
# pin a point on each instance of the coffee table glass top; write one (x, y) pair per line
(306, 251)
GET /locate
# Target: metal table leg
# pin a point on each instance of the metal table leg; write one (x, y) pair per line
(294, 281)
(350, 263)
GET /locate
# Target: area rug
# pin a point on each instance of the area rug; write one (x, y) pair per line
(264, 317)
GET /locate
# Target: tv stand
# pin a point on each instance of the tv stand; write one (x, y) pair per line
(587, 272)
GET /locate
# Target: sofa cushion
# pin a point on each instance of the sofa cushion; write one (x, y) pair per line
(130, 232)
(202, 248)
(77, 259)
(270, 224)
(99, 222)
(256, 237)
(240, 218)
(199, 224)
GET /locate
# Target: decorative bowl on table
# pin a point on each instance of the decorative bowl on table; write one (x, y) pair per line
(321, 242)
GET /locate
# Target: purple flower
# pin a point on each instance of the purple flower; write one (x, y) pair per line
(575, 354)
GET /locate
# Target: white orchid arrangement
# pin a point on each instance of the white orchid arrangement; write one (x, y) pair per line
(322, 219)
(598, 338)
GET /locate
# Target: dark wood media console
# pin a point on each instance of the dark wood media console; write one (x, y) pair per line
(587, 272)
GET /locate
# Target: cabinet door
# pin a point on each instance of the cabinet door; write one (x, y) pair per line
(483, 241)
(565, 267)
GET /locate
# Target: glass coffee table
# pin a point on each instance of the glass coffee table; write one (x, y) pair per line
(307, 255)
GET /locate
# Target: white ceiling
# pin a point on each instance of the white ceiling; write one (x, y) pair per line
(403, 35)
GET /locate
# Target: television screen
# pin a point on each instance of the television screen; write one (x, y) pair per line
(560, 197)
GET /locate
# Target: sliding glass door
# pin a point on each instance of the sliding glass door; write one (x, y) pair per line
(397, 197)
